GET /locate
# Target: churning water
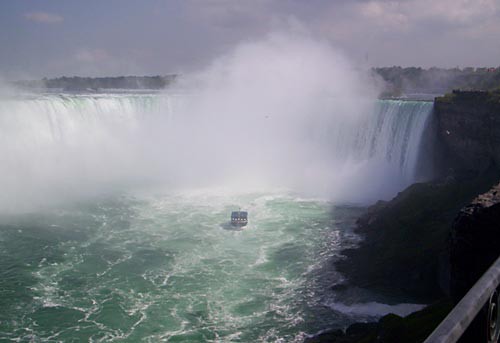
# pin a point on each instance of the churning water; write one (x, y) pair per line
(115, 223)
(62, 147)
(170, 268)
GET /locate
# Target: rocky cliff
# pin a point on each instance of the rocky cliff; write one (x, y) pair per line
(391, 328)
(475, 241)
(474, 244)
(404, 254)
(468, 131)
(436, 238)
(406, 239)
(474, 247)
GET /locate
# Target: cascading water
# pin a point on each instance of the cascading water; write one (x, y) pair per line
(54, 147)
(68, 144)
(378, 153)
(109, 261)
(114, 207)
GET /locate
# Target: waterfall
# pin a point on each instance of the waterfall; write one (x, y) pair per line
(59, 145)
(383, 148)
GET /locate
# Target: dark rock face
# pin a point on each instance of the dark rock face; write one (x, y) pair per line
(399, 254)
(475, 241)
(404, 253)
(409, 250)
(391, 328)
(474, 246)
(468, 130)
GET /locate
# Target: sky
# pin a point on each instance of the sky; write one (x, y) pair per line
(127, 37)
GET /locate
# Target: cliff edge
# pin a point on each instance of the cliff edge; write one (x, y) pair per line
(474, 245)
(468, 131)
(475, 241)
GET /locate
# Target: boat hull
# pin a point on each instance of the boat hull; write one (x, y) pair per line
(238, 223)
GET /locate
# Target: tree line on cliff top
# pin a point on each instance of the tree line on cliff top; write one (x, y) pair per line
(77, 83)
(397, 81)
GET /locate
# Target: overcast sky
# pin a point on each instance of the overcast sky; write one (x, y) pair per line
(124, 37)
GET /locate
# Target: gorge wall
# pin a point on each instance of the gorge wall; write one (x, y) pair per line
(434, 239)
(475, 241)
(468, 130)
(405, 250)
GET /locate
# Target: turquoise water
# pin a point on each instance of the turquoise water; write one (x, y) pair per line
(170, 268)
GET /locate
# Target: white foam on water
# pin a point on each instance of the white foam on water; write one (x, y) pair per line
(264, 128)
(375, 309)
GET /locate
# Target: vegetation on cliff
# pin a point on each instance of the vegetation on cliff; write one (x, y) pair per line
(76, 83)
(401, 81)
(398, 81)
(474, 246)
(404, 252)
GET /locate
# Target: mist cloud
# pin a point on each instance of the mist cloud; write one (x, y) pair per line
(258, 117)
(261, 111)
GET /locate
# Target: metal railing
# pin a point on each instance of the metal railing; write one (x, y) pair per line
(459, 319)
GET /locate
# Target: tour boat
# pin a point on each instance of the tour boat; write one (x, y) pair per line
(239, 218)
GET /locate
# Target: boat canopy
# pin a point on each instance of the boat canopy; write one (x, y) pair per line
(239, 215)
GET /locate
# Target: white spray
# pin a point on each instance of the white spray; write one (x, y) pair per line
(286, 112)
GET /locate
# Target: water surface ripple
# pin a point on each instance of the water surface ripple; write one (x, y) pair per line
(170, 268)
